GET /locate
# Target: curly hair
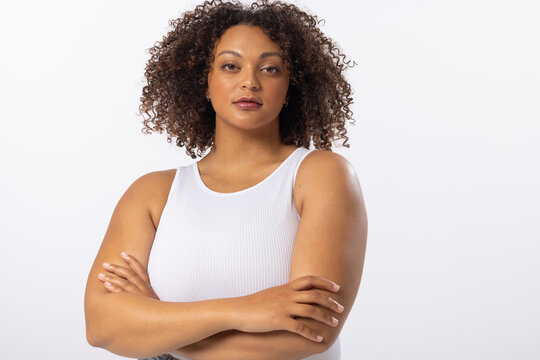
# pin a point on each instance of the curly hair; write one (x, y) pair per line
(174, 97)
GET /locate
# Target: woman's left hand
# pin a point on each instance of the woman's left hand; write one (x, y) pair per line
(132, 279)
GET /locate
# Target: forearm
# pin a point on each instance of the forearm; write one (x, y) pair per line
(136, 326)
(238, 345)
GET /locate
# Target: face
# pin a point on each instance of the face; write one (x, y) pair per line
(247, 64)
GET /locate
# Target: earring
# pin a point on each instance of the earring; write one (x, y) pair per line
(287, 101)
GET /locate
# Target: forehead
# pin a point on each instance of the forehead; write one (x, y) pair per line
(246, 39)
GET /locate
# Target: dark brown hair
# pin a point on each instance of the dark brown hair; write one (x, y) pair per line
(174, 97)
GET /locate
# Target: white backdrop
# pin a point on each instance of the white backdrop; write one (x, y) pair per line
(445, 145)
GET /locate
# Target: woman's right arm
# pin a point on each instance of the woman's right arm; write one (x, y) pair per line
(132, 325)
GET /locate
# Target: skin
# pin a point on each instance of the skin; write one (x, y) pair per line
(247, 146)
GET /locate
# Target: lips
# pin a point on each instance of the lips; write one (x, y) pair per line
(247, 105)
(248, 100)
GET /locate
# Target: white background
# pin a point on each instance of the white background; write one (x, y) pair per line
(445, 145)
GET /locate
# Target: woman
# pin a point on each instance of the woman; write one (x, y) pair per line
(237, 255)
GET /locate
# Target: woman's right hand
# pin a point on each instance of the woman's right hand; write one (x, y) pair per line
(275, 308)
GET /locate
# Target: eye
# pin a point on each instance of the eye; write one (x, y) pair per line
(272, 67)
(225, 66)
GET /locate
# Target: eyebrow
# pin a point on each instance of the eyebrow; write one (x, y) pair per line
(263, 55)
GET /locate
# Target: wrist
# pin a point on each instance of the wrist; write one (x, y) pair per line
(232, 309)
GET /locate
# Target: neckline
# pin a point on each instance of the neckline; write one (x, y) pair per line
(210, 191)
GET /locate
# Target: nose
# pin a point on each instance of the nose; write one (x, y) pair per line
(250, 80)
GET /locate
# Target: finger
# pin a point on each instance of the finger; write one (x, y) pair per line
(117, 282)
(118, 270)
(136, 266)
(318, 297)
(296, 326)
(309, 281)
(111, 287)
(314, 313)
(126, 273)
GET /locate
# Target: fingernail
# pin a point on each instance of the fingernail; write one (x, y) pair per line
(101, 276)
(319, 338)
(106, 264)
(336, 286)
(124, 255)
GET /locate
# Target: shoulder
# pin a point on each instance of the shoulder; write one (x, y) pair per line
(320, 160)
(156, 177)
(153, 189)
(322, 171)
(330, 241)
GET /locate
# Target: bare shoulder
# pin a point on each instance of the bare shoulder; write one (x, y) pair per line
(131, 229)
(331, 237)
(321, 168)
(154, 188)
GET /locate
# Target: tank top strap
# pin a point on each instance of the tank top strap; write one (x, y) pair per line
(300, 157)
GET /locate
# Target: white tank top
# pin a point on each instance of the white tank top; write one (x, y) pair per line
(211, 245)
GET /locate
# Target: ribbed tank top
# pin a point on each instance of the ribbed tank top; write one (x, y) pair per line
(211, 245)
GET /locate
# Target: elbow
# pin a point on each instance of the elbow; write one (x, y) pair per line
(329, 335)
(324, 346)
(305, 348)
(91, 337)
(319, 348)
(96, 339)
(94, 334)
(92, 340)
(301, 347)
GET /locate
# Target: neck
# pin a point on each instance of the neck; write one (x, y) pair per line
(240, 148)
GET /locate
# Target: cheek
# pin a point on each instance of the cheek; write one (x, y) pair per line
(277, 92)
(219, 84)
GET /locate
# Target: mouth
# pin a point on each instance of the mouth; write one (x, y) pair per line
(247, 105)
(249, 100)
